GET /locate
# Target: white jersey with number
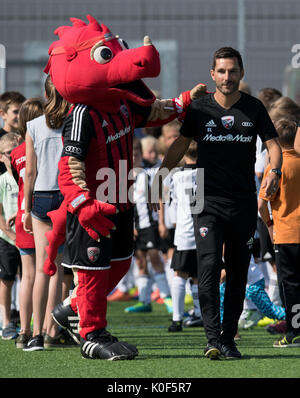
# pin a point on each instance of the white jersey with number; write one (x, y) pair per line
(182, 190)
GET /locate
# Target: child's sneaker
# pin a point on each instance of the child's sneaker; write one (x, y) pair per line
(168, 304)
(193, 321)
(9, 332)
(176, 326)
(139, 307)
(289, 340)
(62, 340)
(278, 327)
(35, 343)
(22, 340)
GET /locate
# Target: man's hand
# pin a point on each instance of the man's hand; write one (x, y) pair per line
(270, 184)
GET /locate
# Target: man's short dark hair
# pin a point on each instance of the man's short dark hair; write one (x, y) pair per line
(227, 52)
(286, 129)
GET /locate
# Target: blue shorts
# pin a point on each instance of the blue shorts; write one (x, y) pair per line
(43, 202)
(24, 252)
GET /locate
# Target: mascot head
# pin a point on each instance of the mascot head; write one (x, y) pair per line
(90, 65)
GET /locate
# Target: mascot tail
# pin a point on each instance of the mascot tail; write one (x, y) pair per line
(56, 237)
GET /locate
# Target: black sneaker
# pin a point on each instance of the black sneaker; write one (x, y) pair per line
(62, 340)
(176, 326)
(193, 321)
(35, 343)
(100, 344)
(229, 351)
(212, 351)
(289, 340)
(65, 317)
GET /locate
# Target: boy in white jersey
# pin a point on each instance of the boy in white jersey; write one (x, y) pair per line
(184, 260)
(146, 240)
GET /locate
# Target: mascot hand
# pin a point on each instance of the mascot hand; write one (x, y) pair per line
(187, 97)
(91, 215)
(197, 91)
(56, 237)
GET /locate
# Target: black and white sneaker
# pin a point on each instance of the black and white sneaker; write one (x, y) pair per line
(35, 343)
(229, 351)
(100, 344)
(193, 321)
(65, 317)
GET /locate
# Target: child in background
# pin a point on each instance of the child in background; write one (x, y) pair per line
(10, 103)
(284, 229)
(184, 261)
(29, 110)
(10, 259)
(146, 240)
(41, 192)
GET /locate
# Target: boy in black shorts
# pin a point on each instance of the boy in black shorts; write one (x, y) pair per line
(184, 260)
(146, 241)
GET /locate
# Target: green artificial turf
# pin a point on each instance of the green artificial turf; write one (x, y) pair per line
(161, 354)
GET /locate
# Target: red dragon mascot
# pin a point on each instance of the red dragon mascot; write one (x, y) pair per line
(101, 77)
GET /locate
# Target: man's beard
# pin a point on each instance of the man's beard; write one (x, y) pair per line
(230, 90)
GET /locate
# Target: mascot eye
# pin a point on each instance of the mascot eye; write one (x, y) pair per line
(123, 44)
(102, 55)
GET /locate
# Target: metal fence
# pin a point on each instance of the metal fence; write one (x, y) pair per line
(263, 30)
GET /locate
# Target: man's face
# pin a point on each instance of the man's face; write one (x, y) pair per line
(227, 75)
(11, 116)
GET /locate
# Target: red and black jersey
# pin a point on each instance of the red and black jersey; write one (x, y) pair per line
(18, 163)
(103, 142)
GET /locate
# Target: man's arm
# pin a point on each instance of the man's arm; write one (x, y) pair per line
(297, 141)
(271, 182)
(172, 158)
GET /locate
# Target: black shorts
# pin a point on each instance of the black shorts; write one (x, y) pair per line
(168, 242)
(10, 260)
(148, 238)
(185, 261)
(81, 251)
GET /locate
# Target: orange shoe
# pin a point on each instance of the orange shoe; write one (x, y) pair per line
(117, 295)
(155, 295)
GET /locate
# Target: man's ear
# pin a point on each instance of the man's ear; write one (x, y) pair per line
(212, 74)
(2, 113)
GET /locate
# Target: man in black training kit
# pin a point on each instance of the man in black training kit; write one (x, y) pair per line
(225, 124)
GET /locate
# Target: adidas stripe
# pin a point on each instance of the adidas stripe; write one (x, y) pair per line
(77, 121)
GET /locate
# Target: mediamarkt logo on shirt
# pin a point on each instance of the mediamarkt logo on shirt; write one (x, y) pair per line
(228, 137)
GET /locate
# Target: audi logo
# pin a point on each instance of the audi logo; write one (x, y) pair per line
(73, 149)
